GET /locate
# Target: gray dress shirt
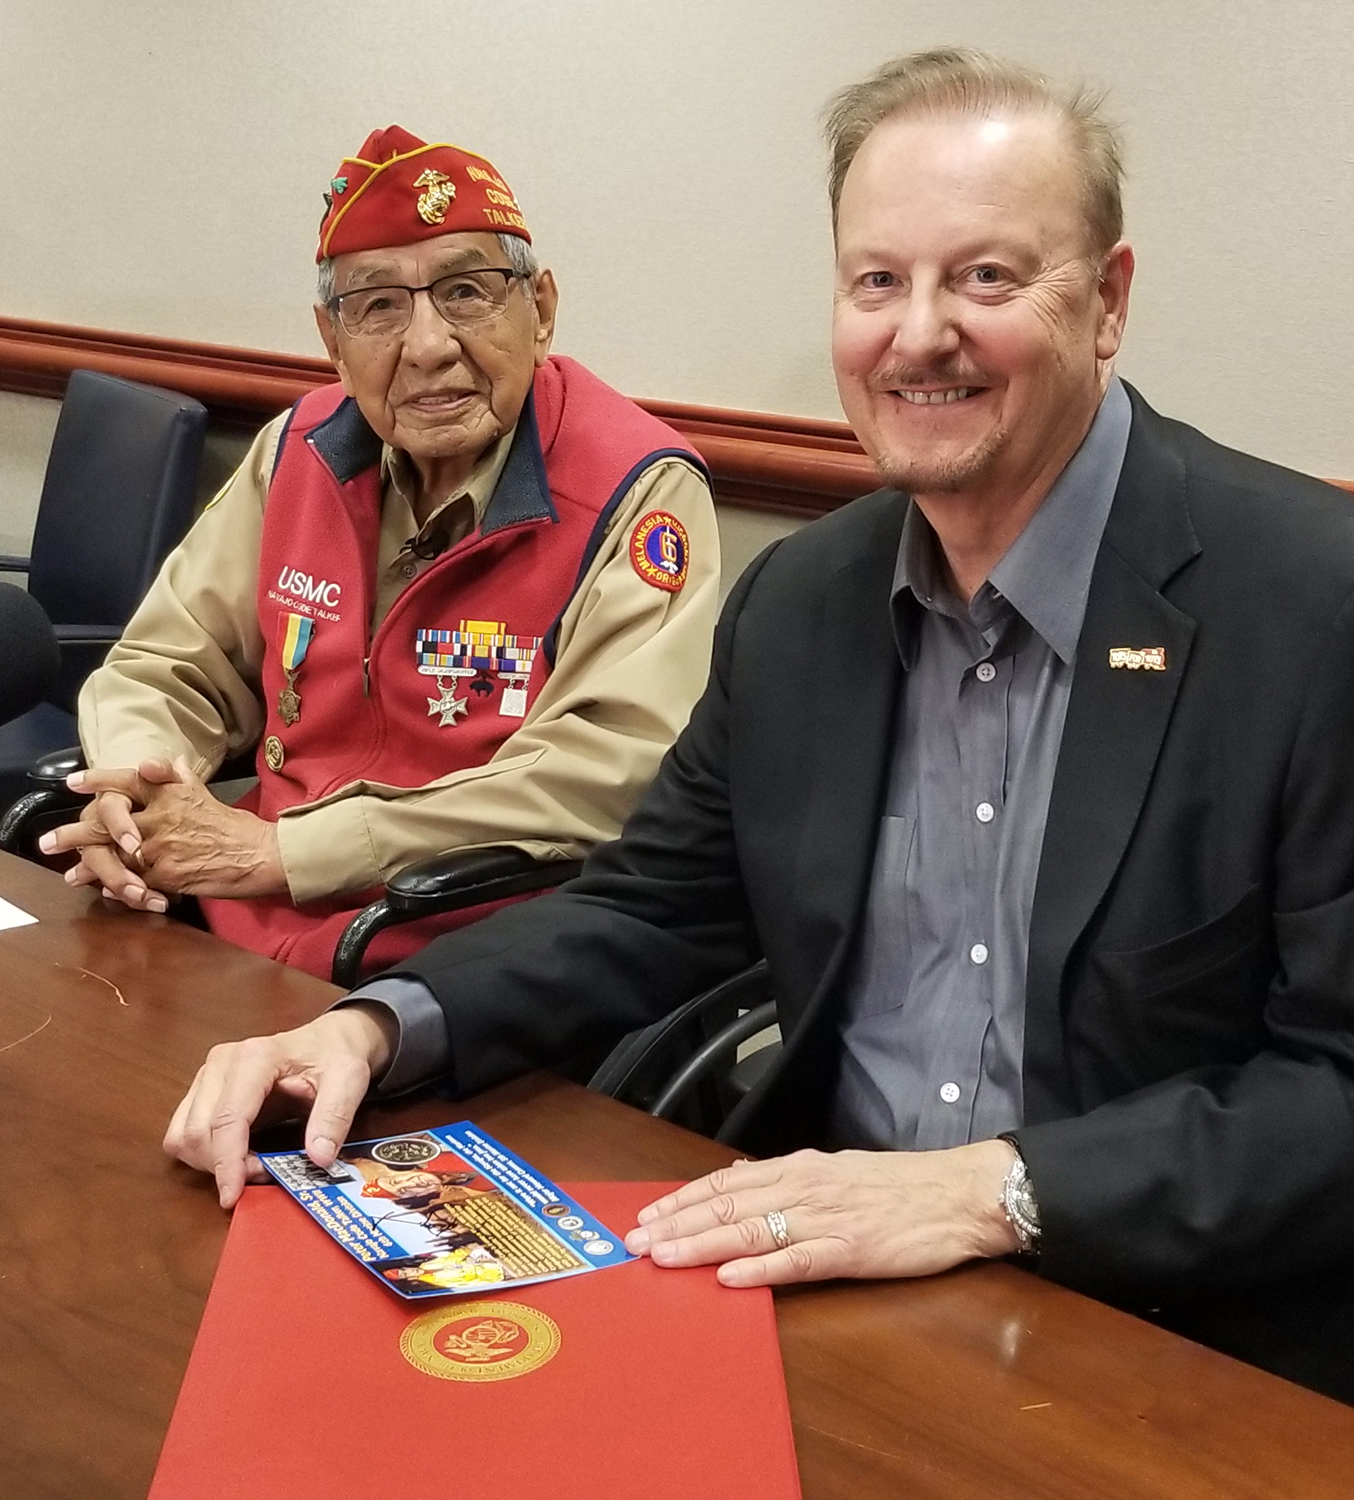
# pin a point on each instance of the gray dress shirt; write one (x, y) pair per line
(933, 1028)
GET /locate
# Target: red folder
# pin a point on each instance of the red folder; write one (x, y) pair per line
(309, 1379)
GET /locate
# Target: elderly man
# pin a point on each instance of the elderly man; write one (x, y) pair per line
(465, 598)
(1030, 777)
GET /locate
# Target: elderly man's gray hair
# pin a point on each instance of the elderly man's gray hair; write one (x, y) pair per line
(516, 253)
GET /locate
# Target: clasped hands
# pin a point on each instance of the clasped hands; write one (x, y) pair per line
(847, 1213)
(156, 831)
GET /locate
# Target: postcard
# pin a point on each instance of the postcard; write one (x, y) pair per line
(447, 1211)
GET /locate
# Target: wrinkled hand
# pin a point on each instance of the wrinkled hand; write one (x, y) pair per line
(106, 836)
(326, 1064)
(850, 1213)
(193, 845)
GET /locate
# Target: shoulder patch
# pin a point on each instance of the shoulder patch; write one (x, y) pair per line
(660, 551)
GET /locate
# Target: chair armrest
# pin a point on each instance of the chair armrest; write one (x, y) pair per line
(634, 1057)
(87, 635)
(11, 564)
(446, 882)
(472, 877)
(47, 802)
(51, 770)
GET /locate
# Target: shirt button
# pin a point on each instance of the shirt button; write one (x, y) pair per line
(978, 953)
(985, 812)
(949, 1092)
(409, 569)
(986, 671)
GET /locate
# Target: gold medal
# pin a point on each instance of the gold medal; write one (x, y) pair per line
(289, 702)
(295, 633)
(273, 753)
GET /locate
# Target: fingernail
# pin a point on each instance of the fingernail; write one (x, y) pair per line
(69, 875)
(664, 1253)
(130, 842)
(47, 843)
(645, 1214)
(157, 903)
(323, 1143)
(75, 780)
(135, 891)
(637, 1241)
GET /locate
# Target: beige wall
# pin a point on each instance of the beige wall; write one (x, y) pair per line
(162, 161)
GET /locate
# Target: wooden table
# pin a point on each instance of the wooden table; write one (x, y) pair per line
(983, 1383)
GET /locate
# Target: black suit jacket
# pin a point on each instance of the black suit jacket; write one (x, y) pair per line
(1189, 1054)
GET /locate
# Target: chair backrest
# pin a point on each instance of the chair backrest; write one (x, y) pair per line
(118, 495)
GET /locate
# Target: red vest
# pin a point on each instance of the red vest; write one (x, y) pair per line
(474, 634)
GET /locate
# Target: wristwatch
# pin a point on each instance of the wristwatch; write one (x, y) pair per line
(1018, 1202)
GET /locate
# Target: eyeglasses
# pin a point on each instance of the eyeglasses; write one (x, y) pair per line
(464, 300)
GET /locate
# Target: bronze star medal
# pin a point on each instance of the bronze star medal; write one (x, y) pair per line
(295, 633)
(448, 705)
(289, 702)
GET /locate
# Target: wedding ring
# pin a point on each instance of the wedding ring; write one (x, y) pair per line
(775, 1222)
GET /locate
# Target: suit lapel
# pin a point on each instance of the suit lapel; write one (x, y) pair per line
(858, 667)
(1116, 721)
(857, 670)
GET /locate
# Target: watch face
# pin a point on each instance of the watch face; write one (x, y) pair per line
(1026, 1205)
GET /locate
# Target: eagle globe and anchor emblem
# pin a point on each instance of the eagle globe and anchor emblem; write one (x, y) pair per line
(480, 1341)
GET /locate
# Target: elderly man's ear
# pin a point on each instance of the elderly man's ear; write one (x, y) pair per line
(547, 303)
(324, 321)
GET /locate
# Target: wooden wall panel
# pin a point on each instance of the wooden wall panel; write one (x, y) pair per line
(794, 465)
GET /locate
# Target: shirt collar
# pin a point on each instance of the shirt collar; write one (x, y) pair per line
(1046, 573)
(397, 470)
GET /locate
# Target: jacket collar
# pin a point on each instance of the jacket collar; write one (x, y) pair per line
(523, 492)
(348, 447)
(1112, 736)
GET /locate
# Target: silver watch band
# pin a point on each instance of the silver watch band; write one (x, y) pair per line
(1019, 1204)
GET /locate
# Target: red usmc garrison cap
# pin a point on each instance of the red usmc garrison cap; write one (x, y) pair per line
(399, 189)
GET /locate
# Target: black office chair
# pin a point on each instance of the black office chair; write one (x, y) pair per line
(118, 494)
(685, 1067)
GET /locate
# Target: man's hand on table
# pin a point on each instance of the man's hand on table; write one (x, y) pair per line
(850, 1213)
(157, 831)
(326, 1064)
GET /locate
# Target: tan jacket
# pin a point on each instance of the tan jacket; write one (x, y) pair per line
(631, 661)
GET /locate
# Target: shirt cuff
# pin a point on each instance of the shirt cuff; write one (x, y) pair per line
(423, 1050)
(326, 850)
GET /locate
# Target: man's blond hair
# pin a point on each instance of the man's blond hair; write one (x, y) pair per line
(958, 80)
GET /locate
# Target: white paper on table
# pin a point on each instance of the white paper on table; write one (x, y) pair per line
(13, 916)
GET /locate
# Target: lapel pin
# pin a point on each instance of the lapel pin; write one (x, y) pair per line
(1136, 659)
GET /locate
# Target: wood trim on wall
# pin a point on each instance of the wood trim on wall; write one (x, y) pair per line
(798, 466)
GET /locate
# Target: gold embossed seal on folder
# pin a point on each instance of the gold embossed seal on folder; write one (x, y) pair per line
(480, 1341)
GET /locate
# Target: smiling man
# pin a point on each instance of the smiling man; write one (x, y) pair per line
(1030, 778)
(463, 598)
